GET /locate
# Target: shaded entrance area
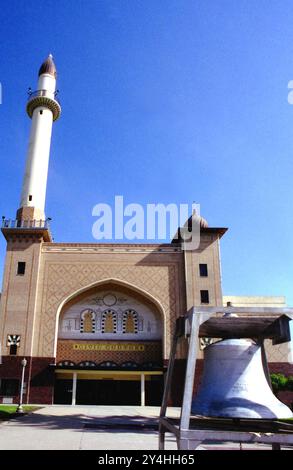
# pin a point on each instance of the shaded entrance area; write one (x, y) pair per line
(108, 392)
(99, 388)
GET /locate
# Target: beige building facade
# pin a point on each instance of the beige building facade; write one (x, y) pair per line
(83, 310)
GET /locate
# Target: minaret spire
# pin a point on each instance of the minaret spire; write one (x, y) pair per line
(48, 66)
(43, 108)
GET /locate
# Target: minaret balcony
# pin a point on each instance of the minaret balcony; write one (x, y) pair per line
(44, 98)
(39, 228)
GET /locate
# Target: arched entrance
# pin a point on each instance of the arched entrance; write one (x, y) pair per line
(109, 348)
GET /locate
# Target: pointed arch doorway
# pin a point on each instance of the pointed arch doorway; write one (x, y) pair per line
(110, 348)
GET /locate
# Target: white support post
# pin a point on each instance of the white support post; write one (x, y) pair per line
(74, 383)
(196, 320)
(142, 390)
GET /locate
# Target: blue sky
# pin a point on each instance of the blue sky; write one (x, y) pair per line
(162, 101)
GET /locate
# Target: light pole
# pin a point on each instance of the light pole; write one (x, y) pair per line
(19, 408)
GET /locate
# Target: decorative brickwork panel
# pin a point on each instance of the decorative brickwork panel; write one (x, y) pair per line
(152, 352)
(278, 352)
(64, 279)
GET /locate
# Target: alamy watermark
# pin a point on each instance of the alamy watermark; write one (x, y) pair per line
(290, 94)
(150, 222)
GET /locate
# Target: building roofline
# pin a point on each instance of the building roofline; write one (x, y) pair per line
(206, 230)
(114, 245)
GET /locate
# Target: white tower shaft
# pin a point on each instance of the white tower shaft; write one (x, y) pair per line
(36, 172)
(43, 108)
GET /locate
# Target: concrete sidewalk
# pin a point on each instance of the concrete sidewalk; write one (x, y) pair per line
(61, 427)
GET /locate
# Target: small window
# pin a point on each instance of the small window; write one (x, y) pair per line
(130, 321)
(87, 321)
(20, 268)
(9, 387)
(13, 350)
(109, 321)
(41, 112)
(204, 296)
(30, 198)
(203, 270)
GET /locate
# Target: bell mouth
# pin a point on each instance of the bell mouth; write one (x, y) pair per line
(234, 342)
(240, 408)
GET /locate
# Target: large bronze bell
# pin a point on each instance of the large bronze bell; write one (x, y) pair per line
(234, 383)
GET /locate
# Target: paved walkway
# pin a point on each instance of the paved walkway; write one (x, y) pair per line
(61, 427)
(83, 427)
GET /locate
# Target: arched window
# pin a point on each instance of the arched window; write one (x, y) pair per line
(108, 365)
(87, 321)
(130, 321)
(66, 364)
(109, 321)
(87, 364)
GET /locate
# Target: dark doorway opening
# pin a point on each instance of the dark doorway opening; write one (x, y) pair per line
(63, 392)
(108, 392)
(154, 389)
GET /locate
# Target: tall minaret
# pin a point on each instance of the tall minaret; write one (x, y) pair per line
(43, 108)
